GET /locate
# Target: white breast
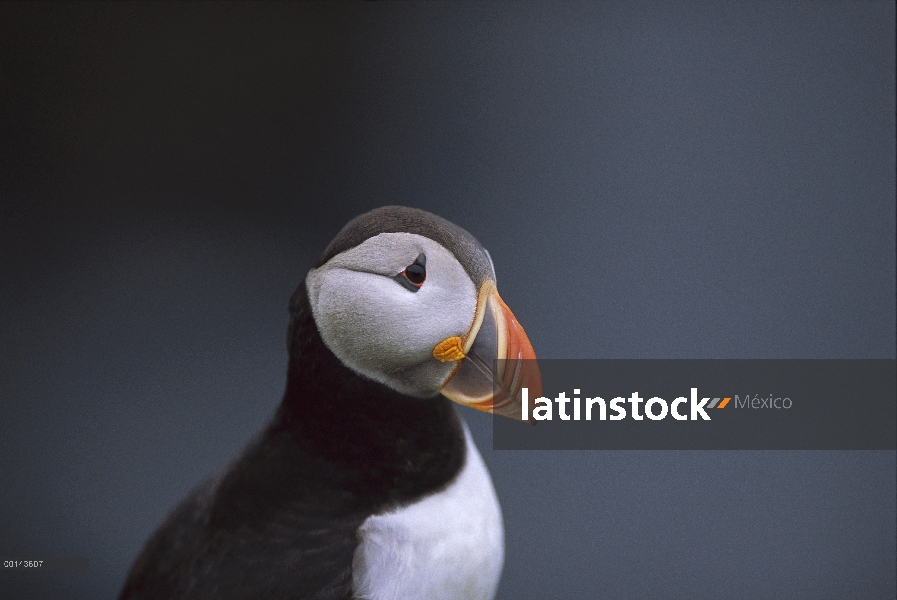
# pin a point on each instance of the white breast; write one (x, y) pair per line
(447, 546)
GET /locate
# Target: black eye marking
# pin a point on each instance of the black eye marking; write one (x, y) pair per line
(414, 275)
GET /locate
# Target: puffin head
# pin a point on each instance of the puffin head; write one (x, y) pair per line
(408, 299)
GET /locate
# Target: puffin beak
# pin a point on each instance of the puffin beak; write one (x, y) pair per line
(478, 380)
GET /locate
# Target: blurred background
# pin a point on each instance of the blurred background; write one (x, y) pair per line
(666, 180)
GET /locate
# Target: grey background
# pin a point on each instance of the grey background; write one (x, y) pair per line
(693, 180)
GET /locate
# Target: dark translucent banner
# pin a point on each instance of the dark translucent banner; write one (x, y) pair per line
(703, 405)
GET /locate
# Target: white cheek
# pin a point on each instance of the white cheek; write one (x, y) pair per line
(366, 319)
(376, 326)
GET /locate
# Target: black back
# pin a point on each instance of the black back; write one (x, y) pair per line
(281, 521)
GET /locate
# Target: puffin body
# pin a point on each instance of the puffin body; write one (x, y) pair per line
(365, 483)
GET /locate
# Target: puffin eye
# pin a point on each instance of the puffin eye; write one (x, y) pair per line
(414, 275)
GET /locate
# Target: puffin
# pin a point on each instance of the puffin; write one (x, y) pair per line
(365, 483)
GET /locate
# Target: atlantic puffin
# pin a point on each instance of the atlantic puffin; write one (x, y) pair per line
(365, 483)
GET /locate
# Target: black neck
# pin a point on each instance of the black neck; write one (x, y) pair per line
(381, 444)
(340, 444)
